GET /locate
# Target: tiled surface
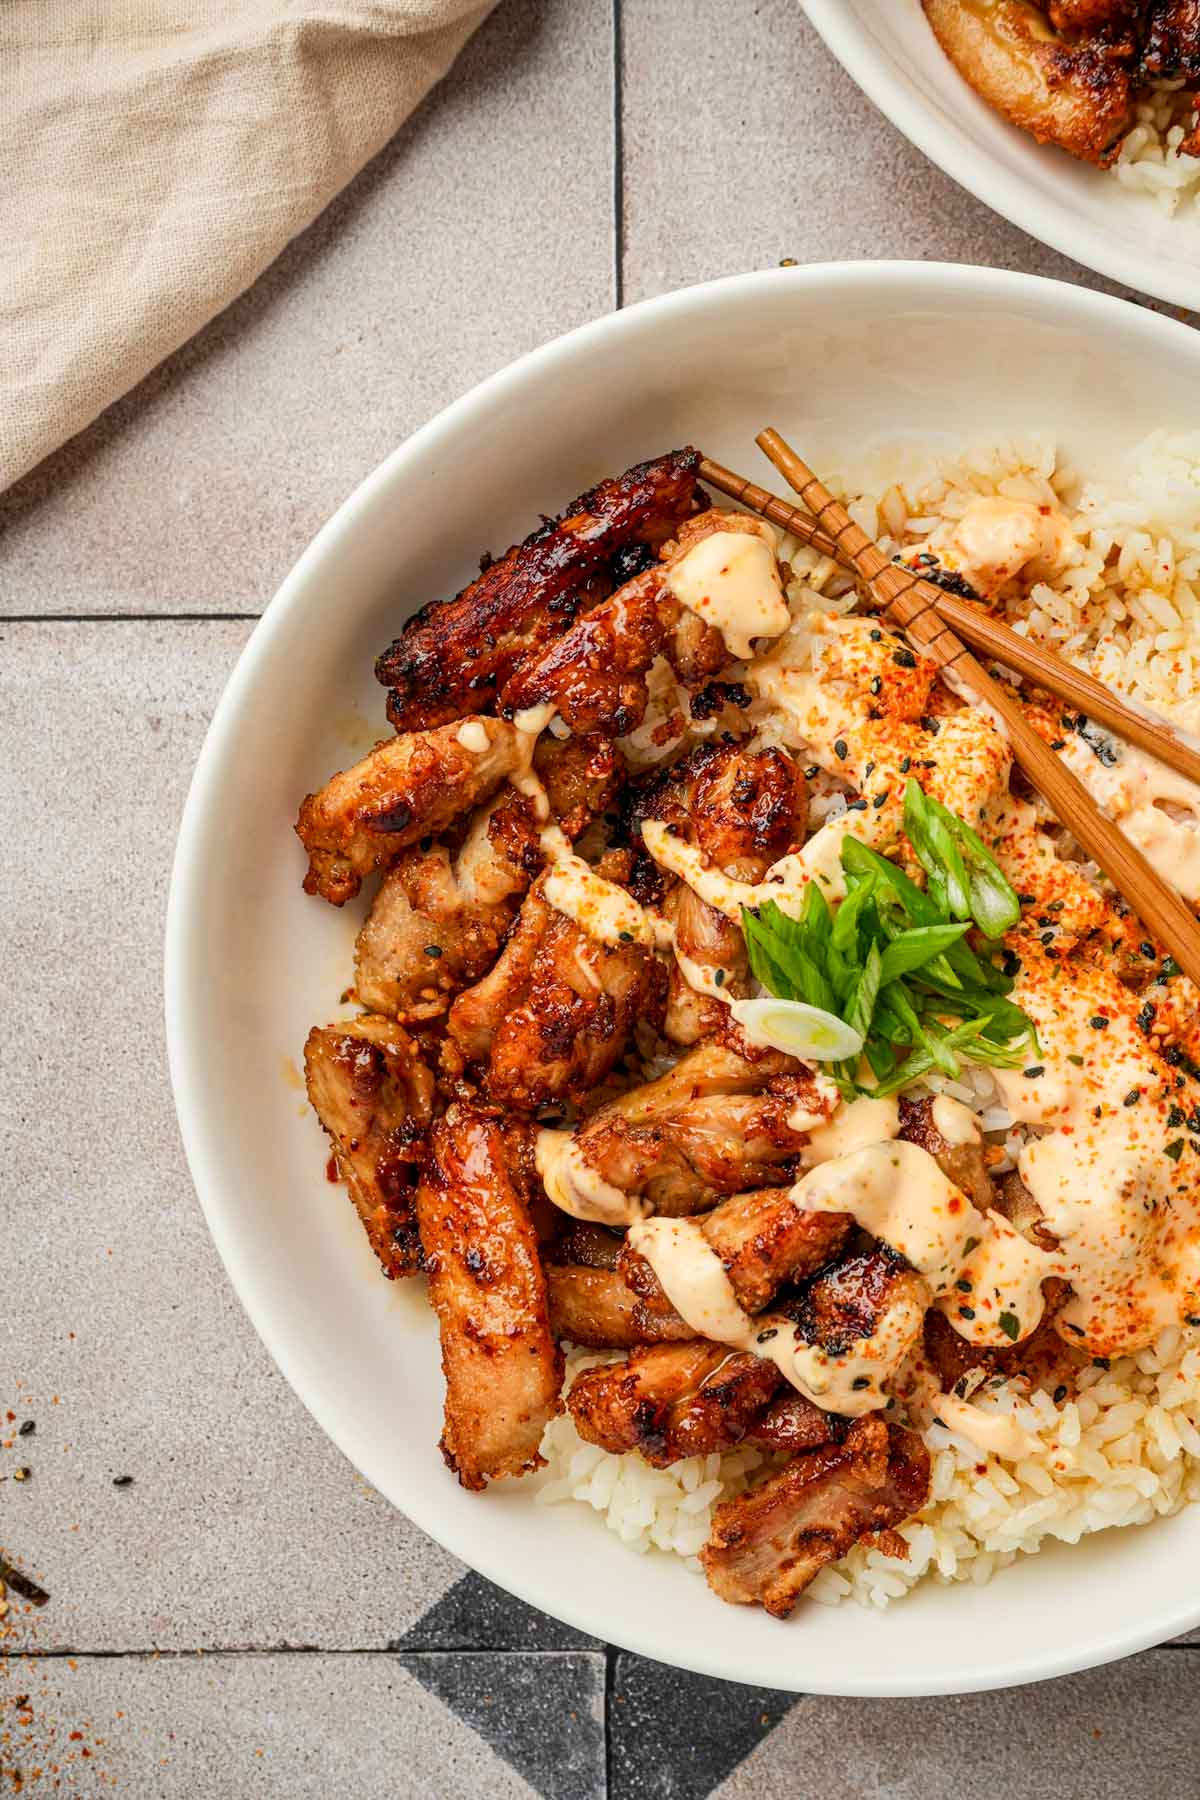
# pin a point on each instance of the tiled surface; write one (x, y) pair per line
(343, 1652)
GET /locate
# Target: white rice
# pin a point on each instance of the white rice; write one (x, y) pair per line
(1151, 160)
(1126, 1448)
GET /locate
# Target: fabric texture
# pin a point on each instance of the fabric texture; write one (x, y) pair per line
(156, 155)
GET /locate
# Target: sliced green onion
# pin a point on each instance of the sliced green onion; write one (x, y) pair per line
(809, 1032)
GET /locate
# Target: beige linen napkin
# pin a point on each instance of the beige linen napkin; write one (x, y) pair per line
(156, 155)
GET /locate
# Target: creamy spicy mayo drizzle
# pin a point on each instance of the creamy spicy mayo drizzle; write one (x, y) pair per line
(730, 579)
(899, 1194)
(850, 1381)
(1157, 809)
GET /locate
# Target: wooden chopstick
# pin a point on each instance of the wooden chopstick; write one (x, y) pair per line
(913, 604)
(982, 632)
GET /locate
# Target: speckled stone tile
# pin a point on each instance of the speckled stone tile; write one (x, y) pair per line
(1128, 1729)
(275, 1727)
(745, 142)
(120, 1335)
(483, 229)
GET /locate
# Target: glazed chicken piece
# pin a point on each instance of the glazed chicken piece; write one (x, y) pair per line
(441, 915)
(767, 1545)
(653, 1401)
(763, 1239)
(744, 809)
(555, 1014)
(374, 1096)
(1171, 40)
(596, 675)
(596, 1307)
(1043, 1359)
(589, 1301)
(1077, 93)
(715, 1124)
(406, 788)
(793, 1422)
(669, 1401)
(453, 656)
(503, 1369)
(963, 1164)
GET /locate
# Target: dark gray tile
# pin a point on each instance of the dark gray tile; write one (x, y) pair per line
(477, 1615)
(677, 1736)
(544, 1714)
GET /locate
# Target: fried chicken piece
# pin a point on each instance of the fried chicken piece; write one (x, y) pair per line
(963, 1164)
(767, 1545)
(1077, 95)
(374, 1096)
(503, 1369)
(763, 1238)
(596, 675)
(852, 1301)
(440, 918)
(595, 1307)
(794, 1422)
(453, 656)
(556, 1013)
(719, 1122)
(1070, 16)
(1171, 40)
(669, 1401)
(744, 809)
(406, 788)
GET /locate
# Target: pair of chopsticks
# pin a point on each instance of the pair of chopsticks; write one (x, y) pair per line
(926, 614)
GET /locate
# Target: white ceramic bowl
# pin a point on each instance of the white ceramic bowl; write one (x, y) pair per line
(839, 357)
(888, 48)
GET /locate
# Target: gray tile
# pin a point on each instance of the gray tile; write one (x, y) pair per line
(544, 1714)
(745, 142)
(119, 1333)
(1121, 1730)
(275, 1727)
(484, 228)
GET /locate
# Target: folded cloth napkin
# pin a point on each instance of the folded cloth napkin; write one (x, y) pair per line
(156, 155)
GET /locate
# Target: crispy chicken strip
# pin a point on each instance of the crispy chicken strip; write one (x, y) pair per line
(453, 655)
(556, 1012)
(744, 809)
(768, 1544)
(1077, 95)
(963, 1164)
(374, 1096)
(406, 788)
(441, 916)
(717, 1123)
(503, 1369)
(596, 1307)
(669, 1401)
(763, 1238)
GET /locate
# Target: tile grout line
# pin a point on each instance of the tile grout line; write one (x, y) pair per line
(610, 1682)
(147, 618)
(618, 156)
(32, 1654)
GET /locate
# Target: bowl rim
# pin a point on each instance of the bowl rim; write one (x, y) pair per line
(184, 969)
(1021, 202)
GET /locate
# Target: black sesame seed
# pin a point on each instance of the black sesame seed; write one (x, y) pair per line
(963, 1286)
(122, 1481)
(877, 637)
(1098, 1022)
(904, 658)
(764, 1337)
(966, 1312)
(1060, 1394)
(860, 1382)
(1033, 1073)
(930, 724)
(626, 937)
(1058, 743)
(877, 684)
(26, 1428)
(857, 806)
(719, 978)
(1176, 1116)
(1132, 1097)
(1100, 1362)
(433, 949)
(880, 799)
(840, 750)
(905, 764)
